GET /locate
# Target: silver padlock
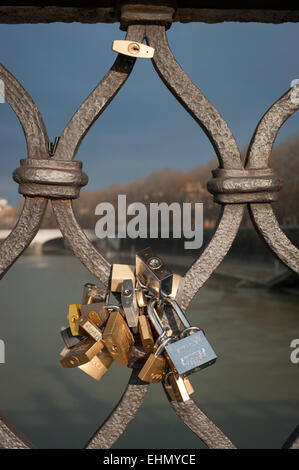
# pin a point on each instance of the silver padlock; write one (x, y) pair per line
(153, 273)
(129, 304)
(192, 352)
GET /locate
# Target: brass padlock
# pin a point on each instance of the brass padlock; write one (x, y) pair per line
(91, 328)
(119, 273)
(81, 353)
(146, 334)
(154, 369)
(64, 351)
(93, 293)
(98, 365)
(74, 315)
(188, 385)
(177, 387)
(95, 312)
(141, 299)
(118, 338)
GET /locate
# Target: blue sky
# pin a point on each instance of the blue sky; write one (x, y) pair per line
(241, 68)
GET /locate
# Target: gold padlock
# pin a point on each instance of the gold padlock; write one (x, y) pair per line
(64, 351)
(140, 297)
(146, 334)
(91, 328)
(98, 365)
(154, 369)
(81, 353)
(188, 385)
(118, 338)
(74, 315)
(95, 312)
(177, 387)
(119, 273)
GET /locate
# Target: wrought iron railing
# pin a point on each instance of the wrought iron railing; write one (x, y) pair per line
(43, 177)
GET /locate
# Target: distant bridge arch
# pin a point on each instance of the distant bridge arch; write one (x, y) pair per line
(44, 235)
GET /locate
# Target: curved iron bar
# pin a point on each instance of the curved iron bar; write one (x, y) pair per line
(229, 157)
(226, 148)
(69, 143)
(258, 154)
(268, 228)
(67, 148)
(121, 416)
(196, 420)
(98, 100)
(191, 98)
(78, 241)
(212, 254)
(292, 441)
(12, 438)
(37, 147)
(32, 213)
(190, 412)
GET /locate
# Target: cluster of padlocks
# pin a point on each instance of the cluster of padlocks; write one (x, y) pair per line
(110, 321)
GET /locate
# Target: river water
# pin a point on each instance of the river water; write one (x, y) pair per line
(252, 391)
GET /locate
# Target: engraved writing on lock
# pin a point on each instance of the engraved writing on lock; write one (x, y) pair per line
(94, 332)
(191, 352)
(193, 358)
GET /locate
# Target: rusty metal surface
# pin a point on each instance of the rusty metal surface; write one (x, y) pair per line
(226, 148)
(108, 11)
(268, 228)
(207, 431)
(67, 148)
(235, 188)
(37, 147)
(10, 437)
(258, 155)
(190, 97)
(49, 178)
(98, 100)
(293, 440)
(146, 14)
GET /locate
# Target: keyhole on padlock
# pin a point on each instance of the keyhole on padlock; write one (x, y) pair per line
(134, 48)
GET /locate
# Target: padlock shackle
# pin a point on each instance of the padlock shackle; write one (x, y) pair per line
(178, 311)
(162, 346)
(154, 318)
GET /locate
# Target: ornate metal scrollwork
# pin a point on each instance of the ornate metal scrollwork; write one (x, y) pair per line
(253, 183)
